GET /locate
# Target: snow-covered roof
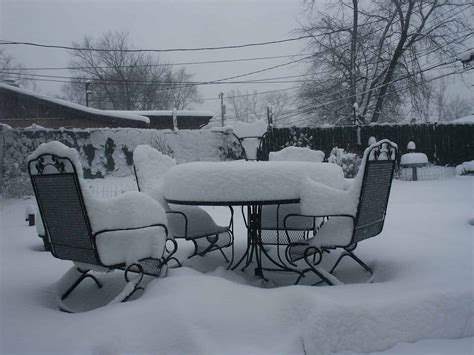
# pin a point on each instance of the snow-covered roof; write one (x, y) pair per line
(465, 119)
(168, 113)
(116, 114)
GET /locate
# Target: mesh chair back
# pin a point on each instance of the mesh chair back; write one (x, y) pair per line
(375, 191)
(62, 208)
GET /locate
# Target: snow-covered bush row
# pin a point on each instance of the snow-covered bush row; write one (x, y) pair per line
(105, 151)
(465, 168)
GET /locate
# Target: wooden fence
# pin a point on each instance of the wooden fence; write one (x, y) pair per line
(444, 144)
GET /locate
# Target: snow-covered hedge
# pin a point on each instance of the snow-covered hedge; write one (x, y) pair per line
(466, 168)
(105, 151)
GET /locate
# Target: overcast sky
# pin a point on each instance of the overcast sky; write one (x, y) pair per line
(161, 24)
(166, 24)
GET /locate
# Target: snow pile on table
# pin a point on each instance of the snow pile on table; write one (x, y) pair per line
(465, 168)
(297, 154)
(413, 158)
(246, 181)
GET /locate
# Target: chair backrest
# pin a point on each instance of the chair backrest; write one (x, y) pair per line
(380, 161)
(297, 154)
(61, 204)
(250, 146)
(149, 166)
(250, 136)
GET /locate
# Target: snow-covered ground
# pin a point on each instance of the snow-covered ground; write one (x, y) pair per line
(422, 300)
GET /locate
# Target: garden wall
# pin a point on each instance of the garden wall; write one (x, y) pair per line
(105, 151)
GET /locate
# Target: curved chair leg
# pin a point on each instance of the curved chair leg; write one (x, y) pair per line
(132, 286)
(310, 259)
(348, 252)
(171, 252)
(69, 282)
(74, 277)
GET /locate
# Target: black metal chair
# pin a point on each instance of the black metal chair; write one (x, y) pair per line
(350, 216)
(93, 233)
(250, 146)
(191, 223)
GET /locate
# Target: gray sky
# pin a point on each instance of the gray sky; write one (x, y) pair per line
(168, 24)
(161, 24)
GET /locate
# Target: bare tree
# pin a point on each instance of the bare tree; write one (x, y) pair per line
(370, 58)
(249, 107)
(182, 92)
(244, 106)
(11, 71)
(121, 79)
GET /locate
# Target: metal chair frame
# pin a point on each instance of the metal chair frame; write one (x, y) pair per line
(241, 139)
(364, 226)
(86, 252)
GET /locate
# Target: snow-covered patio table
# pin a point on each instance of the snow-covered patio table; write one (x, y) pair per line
(246, 183)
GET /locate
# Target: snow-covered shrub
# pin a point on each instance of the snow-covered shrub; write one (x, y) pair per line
(466, 168)
(349, 162)
(298, 139)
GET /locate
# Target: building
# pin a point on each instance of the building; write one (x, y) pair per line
(163, 119)
(20, 108)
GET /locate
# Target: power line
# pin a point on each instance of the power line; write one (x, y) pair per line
(163, 64)
(217, 81)
(254, 44)
(335, 101)
(34, 44)
(303, 110)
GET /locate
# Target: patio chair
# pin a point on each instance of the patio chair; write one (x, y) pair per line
(352, 215)
(298, 227)
(191, 223)
(250, 137)
(127, 232)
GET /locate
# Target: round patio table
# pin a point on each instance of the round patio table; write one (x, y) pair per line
(250, 184)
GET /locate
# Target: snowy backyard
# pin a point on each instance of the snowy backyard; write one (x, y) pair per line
(421, 302)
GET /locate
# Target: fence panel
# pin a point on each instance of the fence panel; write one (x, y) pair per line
(444, 144)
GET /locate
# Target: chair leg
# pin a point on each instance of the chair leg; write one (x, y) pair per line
(310, 259)
(171, 252)
(83, 274)
(132, 286)
(350, 254)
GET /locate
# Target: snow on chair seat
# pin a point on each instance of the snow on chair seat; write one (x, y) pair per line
(128, 232)
(187, 222)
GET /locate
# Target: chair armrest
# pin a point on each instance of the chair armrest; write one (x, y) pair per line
(94, 235)
(321, 200)
(127, 211)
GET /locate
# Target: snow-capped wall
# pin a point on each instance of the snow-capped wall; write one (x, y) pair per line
(106, 151)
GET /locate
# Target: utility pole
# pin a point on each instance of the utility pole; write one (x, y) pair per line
(269, 118)
(88, 82)
(221, 96)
